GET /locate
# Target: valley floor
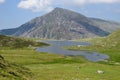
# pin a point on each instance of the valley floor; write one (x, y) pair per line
(45, 66)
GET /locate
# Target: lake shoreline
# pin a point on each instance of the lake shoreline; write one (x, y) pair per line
(56, 47)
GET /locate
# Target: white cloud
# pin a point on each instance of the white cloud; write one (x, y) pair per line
(47, 5)
(36, 5)
(2, 1)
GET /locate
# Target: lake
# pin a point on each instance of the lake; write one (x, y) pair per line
(57, 48)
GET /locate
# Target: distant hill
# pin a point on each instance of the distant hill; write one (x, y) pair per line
(63, 24)
(8, 31)
(13, 42)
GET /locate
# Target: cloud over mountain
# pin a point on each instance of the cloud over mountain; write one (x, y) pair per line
(2, 1)
(35, 5)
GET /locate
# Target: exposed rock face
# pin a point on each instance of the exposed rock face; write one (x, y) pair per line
(60, 24)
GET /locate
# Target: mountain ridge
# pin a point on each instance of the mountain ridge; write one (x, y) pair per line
(61, 24)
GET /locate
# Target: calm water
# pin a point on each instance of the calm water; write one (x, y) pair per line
(56, 47)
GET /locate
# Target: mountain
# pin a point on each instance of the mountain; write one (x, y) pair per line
(63, 24)
(8, 31)
(109, 26)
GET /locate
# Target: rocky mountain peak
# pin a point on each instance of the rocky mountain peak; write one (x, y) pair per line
(61, 24)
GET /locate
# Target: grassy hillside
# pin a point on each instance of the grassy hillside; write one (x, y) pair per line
(114, 39)
(13, 42)
(109, 45)
(9, 71)
(111, 41)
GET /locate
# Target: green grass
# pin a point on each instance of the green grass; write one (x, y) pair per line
(10, 71)
(14, 42)
(29, 56)
(48, 66)
(75, 71)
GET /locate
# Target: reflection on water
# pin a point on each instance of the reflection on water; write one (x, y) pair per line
(56, 47)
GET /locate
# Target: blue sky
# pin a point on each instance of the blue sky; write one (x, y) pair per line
(14, 13)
